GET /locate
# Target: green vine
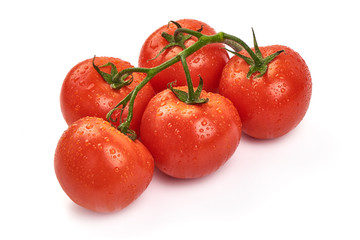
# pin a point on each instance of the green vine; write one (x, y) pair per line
(257, 64)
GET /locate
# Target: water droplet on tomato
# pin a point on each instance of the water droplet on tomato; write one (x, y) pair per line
(89, 126)
(237, 67)
(107, 139)
(112, 151)
(90, 86)
(203, 122)
(154, 44)
(116, 169)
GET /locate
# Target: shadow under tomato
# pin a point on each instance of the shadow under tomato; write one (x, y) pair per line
(165, 179)
(251, 140)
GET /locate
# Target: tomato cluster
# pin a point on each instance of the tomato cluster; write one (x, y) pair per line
(185, 133)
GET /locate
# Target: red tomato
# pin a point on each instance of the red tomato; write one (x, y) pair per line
(100, 168)
(190, 141)
(207, 62)
(85, 93)
(271, 105)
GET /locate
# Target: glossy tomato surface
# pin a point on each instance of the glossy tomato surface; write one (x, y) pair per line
(100, 168)
(85, 93)
(274, 104)
(190, 141)
(207, 62)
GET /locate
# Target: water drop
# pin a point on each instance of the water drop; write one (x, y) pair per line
(153, 44)
(90, 86)
(196, 60)
(177, 131)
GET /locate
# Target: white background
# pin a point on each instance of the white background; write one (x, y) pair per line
(304, 185)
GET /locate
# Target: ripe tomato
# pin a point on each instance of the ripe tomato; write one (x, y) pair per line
(100, 168)
(271, 105)
(207, 62)
(190, 141)
(85, 93)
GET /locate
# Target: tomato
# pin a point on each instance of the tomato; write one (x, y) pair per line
(100, 168)
(85, 93)
(274, 104)
(207, 61)
(190, 141)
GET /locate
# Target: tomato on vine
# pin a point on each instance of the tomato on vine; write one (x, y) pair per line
(93, 88)
(207, 61)
(187, 132)
(99, 167)
(272, 98)
(190, 140)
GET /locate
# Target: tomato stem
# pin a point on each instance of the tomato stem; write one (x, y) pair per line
(191, 92)
(256, 61)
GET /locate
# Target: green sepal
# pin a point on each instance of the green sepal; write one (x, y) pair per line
(184, 96)
(125, 129)
(115, 80)
(179, 40)
(246, 59)
(256, 47)
(257, 63)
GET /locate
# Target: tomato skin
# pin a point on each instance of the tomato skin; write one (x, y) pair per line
(207, 62)
(274, 104)
(85, 93)
(100, 168)
(190, 141)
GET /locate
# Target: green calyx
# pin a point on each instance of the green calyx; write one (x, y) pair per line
(174, 40)
(190, 97)
(256, 60)
(187, 97)
(114, 79)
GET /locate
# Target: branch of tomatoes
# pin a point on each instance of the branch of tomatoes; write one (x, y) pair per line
(257, 63)
(187, 138)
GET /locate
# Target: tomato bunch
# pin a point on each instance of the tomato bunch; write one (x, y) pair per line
(182, 110)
